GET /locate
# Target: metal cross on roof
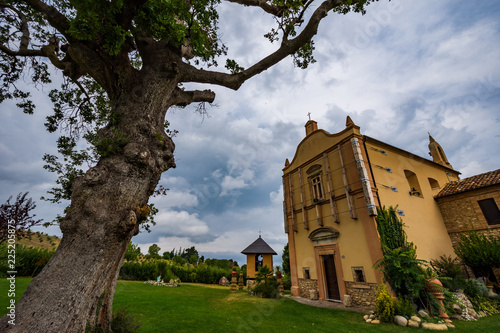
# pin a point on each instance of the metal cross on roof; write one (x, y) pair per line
(309, 115)
(260, 232)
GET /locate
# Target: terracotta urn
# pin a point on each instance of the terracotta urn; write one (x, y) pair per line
(435, 287)
(278, 274)
(234, 273)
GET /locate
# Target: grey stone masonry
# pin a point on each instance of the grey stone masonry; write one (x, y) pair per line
(306, 286)
(362, 294)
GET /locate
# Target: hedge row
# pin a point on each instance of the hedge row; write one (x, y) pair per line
(31, 261)
(151, 269)
(28, 261)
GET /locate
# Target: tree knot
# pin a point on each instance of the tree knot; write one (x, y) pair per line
(96, 175)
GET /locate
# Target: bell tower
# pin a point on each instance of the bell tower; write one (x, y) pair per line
(437, 153)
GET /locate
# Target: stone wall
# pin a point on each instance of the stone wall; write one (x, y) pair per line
(461, 212)
(306, 286)
(362, 294)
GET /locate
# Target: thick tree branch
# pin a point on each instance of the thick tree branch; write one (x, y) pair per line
(182, 98)
(46, 51)
(234, 81)
(271, 9)
(55, 18)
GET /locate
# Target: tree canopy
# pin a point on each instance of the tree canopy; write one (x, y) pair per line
(104, 47)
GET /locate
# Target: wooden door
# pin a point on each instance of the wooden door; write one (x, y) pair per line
(332, 286)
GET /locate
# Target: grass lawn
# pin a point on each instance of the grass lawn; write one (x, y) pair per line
(208, 308)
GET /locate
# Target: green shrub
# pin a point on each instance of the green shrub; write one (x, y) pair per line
(151, 269)
(287, 282)
(267, 284)
(403, 271)
(403, 307)
(454, 284)
(474, 288)
(384, 304)
(488, 306)
(447, 266)
(267, 289)
(399, 264)
(481, 252)
(29, 261)
(123, 322)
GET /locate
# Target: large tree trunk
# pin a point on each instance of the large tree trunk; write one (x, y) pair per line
(77, 286)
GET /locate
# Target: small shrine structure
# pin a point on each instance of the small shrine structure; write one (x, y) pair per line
(259, 254)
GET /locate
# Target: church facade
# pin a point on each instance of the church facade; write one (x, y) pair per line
(332, 188)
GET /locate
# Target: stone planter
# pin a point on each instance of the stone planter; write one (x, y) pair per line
(491, 292)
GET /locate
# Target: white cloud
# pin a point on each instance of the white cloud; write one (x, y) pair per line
(176, 199)
(277, 197)
(180, 224)
(241, 181)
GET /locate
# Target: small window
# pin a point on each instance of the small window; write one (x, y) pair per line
(490, 211)
(358, 274)
(317, 188)
(307, 274)
(434, 184)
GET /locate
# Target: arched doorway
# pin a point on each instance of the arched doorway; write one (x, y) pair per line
(328, 265)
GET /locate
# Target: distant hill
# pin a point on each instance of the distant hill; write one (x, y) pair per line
(38, 240)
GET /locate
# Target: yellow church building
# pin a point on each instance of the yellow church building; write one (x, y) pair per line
(332, 188)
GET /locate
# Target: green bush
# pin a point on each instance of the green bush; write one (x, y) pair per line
(474, 288)
(454, 284)
(481, 252)
(29, 261)
(403, 307)
(488, 306)
(287, 282)
(123, 322)
(151, 269)
(267, 284)
(267, 289)
(446, 266)
(384, 304)
(399, 264)
(402, 270)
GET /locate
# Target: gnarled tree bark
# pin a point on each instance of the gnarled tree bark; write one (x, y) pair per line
(79, 281)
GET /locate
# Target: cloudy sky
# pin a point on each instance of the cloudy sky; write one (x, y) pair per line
(404, 69)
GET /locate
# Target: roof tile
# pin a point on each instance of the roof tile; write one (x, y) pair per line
(471, 183)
